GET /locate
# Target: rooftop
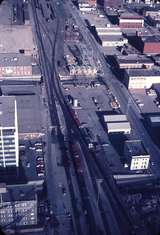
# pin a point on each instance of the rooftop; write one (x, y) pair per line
(19, 193)
(153, 38)
(7, 111)
(115, 118)
(15, 59)
(134, 58)
(135, 147)
(142, 72)
(97, 21)
(130, 16)
(111, 37)
(15, 38)
(29, 107)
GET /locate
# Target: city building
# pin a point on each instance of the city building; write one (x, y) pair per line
(18, 67)
(148, 2)
(136, 155)
(88, 2)
(134, 61)
(9, 152)
(112, 40)
(149, 44)
(154, 120)
(80, 62)
(130, 21)
(102, 25)
(87, 5)
(117, 123)
(18, 206)
(113, 3)
(141, 78)
(119, 127)
(29, 109)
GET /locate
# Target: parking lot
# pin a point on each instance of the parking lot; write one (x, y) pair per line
(146, 103)
(32, 158)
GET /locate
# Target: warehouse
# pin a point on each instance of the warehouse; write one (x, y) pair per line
(102, 24)
(112, 41)
(148, 44)
(14, 66)
(115, 118)
(117, 123)
(136, 154)
(118, 127)
(134, 61)
(131, 21)
(141, 78)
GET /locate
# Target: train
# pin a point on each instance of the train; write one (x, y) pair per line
(76, 153)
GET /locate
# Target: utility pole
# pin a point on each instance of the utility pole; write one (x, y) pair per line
(99, 182)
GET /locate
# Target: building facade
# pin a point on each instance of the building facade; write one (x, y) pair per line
(131, 21)
(18, 206)
(141, 78)
(14, 66)
(136, 154)
(9, 153)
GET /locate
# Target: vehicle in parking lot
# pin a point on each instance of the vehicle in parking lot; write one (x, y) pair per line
(40, 158)
(40, 165)
(40, 174)
(39, 150)
(63, 190)
(40, 171)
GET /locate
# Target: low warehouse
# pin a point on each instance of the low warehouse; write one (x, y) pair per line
(117, 123)
(112, 40)
(117, 127)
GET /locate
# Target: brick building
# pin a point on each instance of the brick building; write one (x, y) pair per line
(131, 21)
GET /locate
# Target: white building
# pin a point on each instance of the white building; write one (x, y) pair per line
(141, 78)
(9, 152)
(117, 123)
(134, 61)
(137, 155)
(119, 127)
(112, 40)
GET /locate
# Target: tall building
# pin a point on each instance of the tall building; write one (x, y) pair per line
(9, 153)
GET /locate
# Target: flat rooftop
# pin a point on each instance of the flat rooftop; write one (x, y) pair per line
(7, 111)
(118, 126)
(19, 193)
(29, 106)
(15, 38)
(153, 38)
(98, 22)
(111, 37)
(134, 58)
(15, 59)
(130, 16)
(5, 12)
(143, 72)
(135, 147)
(155, 119)
(115, 118)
